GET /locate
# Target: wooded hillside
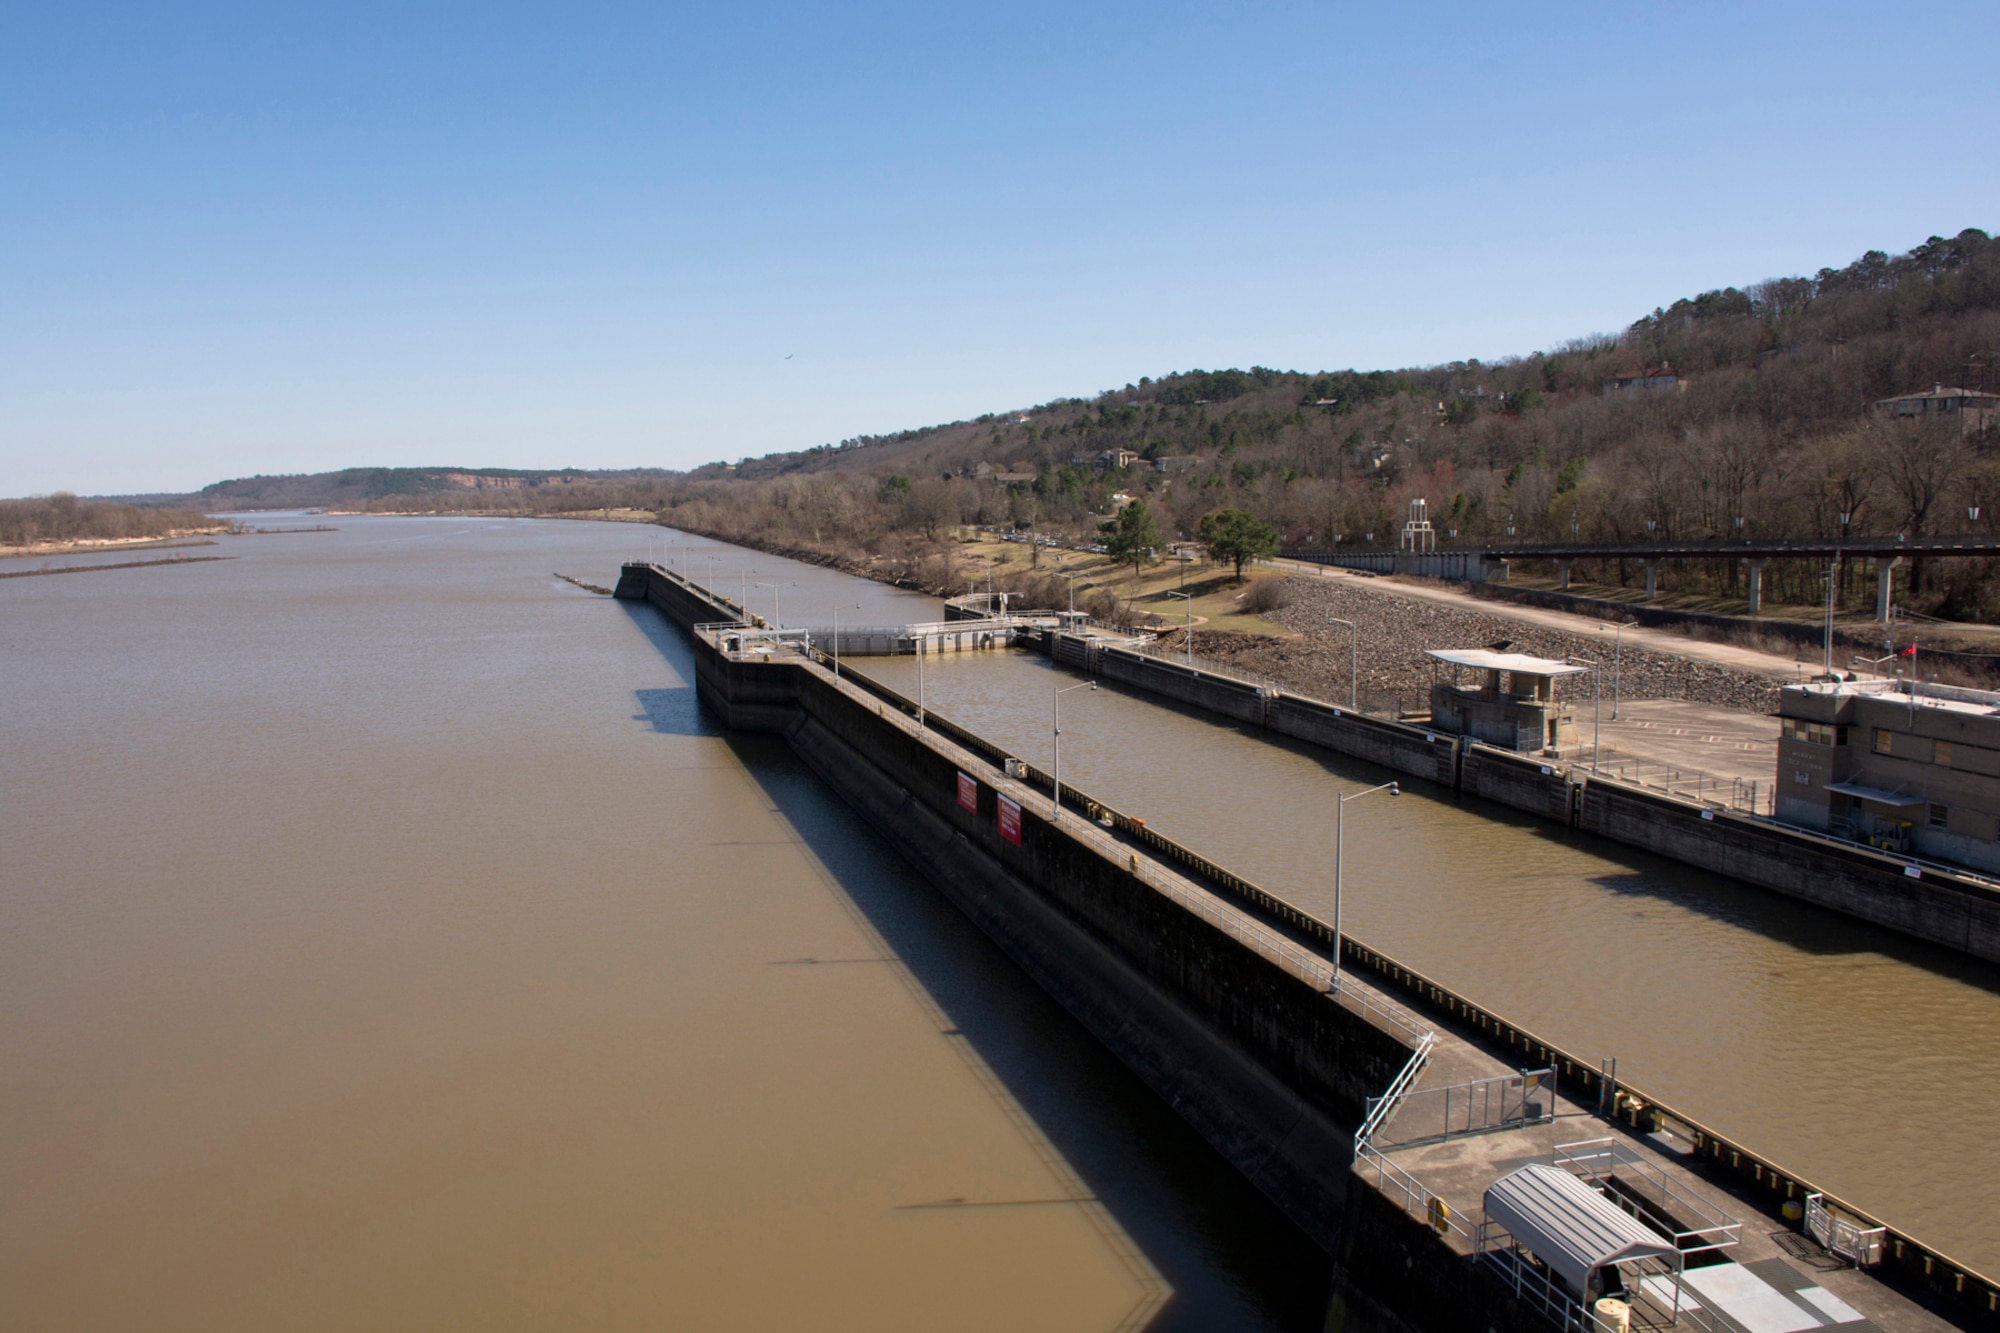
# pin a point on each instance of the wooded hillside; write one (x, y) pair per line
(1751, 405)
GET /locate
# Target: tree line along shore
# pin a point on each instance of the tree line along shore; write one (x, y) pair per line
(61, 521)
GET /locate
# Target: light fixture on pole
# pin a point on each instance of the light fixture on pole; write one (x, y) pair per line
(1188, 597)
(1339, 853)
(774, 604)
(1617, 659)
(836, 637)
(1353, 657)
(1055, 739)
(1596, 707)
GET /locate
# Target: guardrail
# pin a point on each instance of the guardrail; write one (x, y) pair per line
(1502, 1101)
(1695, 1225)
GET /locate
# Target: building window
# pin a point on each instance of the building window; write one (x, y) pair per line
(1941, 753)
(1812, 733)
(1884, 739)
(1940, 815)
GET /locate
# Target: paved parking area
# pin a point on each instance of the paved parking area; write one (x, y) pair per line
(1656, 738)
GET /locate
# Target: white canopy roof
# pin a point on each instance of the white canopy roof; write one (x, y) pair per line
(1876, 794)
(1568, 1225)
(1490, 660)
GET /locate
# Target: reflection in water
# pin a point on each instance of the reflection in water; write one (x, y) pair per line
(391, 941)
(1846, 1052)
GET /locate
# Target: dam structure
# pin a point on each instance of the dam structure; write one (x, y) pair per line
(1379, 1110)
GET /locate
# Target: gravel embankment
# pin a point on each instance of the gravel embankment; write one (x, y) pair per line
(1395, 631)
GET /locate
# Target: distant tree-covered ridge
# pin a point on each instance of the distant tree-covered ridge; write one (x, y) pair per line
(53, 519)
(1739, 411)
(1734, 412)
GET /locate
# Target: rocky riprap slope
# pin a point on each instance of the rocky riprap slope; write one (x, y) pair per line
(1395, 631)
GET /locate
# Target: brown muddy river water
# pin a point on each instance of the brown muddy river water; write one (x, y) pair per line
(388, 941)
(1854, 1056)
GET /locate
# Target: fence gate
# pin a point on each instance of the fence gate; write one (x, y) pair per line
(1857, 1244)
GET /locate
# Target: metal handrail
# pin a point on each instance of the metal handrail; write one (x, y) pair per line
(1600, 1159)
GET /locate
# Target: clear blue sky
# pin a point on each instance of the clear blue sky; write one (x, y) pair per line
(282, 238)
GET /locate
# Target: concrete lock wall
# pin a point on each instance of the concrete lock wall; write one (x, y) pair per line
(1931, 905)
(1271, 1071)
(1428, 755)
(1521, 782)
(1218, 694)
(1875, 888)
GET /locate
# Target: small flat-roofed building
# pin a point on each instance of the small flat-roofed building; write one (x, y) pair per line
(1662, 378)
(1974, 411)
(1512, 705)
(1906, 766)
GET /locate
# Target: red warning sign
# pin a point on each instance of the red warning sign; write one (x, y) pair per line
(1010, 821)
(968, 794)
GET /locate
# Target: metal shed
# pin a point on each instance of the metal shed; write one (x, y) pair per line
(1571, 1228)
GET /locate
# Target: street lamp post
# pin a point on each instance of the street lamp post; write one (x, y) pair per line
(1188, 597)
(1339, 854)
(774, 604)
(1055, 739)
(836, 637)
(1596, 708)
(1353, 657)
(1617, 660)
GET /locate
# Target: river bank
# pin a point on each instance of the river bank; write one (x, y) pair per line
(92, 545)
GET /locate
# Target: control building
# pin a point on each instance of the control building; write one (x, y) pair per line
(1902, 765)
(1512, 703)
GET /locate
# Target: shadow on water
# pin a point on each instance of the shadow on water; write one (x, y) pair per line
(673, 712)
(670, 710)
(1230, 1257)
(1788, 921)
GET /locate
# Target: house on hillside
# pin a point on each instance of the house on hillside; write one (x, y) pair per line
(1974, 410)
(1108, 460)
(1175, 463)
(1662, 378)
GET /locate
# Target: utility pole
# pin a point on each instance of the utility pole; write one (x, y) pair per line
(1055, 739)
(1339, 854)
(1189, 599)
(1353, 657)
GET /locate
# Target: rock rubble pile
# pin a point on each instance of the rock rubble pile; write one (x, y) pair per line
(1394, 632)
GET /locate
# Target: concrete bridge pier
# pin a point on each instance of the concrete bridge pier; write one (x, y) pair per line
(1756, 583)
(1562, 574)
(1884, 593)
(1652, 580)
